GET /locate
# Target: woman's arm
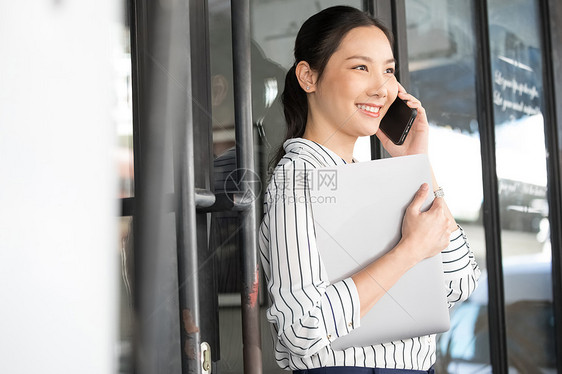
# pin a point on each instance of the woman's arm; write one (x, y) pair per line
(460, 268)
(459, 265)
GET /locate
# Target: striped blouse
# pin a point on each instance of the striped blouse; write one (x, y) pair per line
(306, 311)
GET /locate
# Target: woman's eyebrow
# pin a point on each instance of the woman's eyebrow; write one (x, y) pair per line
(368, 59)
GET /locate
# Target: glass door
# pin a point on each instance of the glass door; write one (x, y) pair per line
(442, 70)
(516, 61)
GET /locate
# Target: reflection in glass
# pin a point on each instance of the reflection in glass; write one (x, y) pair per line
(123, 112)
(123, 118)
(521, 168)
(126, 316)
(442, 75)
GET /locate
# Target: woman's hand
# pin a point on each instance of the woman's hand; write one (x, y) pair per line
(417, 139)
(425, 234)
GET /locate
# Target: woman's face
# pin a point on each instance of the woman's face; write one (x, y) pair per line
(358, 84)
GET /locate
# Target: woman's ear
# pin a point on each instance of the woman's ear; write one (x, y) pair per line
(306, 76)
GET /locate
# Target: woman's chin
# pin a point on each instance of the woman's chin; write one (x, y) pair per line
(370, 131)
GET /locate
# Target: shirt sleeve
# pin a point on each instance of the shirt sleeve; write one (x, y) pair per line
(460, 268)
(308, 311)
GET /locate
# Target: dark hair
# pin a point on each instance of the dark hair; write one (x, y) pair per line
(318, 38)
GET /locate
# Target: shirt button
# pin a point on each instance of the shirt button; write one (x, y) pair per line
(329, 337)
(350, 324)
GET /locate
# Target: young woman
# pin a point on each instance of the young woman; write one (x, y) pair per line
(339, 88)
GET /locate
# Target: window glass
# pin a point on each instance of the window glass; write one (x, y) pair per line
(516, 59)
(441, 43)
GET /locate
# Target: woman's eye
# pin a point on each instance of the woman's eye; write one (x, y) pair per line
(390, 71)
(361, 67)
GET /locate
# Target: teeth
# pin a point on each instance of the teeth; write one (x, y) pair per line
(372, 109)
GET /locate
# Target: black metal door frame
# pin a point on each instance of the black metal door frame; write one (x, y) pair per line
(551, 15)
(162, 61)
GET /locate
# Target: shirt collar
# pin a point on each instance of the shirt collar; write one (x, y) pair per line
(305, 146)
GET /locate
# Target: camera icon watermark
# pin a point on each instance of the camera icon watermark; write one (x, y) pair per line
(242, 186)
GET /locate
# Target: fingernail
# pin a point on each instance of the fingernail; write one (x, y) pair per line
(424, 187)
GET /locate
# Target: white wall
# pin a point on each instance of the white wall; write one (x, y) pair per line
(58, 187)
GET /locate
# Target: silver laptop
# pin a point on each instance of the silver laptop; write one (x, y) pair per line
(358, 210)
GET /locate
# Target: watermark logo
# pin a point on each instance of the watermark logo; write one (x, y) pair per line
(327, 179)
(304, 186)
(244, 185)
(304, 179)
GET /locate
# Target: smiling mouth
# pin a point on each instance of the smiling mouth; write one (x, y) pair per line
(369, 108)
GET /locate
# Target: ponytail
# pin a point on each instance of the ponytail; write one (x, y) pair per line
(295, 109)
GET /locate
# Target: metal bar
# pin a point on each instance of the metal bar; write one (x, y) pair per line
(369, 7)
(137, 35)
(484, 102)
(376, 147)
(551, 122)
(382, 9)
(164, 108)
(188, 279)
(204, 172)
(152, 125)
(135, 32)
(204, 198)
(245, 161)
(184, 185)
(227, 201)
(205, 201)
(399, 29)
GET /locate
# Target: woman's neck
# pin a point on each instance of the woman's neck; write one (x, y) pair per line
(338, 142)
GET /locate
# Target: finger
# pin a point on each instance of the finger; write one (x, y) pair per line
(408, 98)
(438, 204)
(414, 104)
(419, 198)
(420, 109)
(404, 95)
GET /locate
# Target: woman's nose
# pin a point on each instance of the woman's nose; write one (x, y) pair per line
(378, 87)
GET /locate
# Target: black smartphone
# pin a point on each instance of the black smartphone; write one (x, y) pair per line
(398, 120)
